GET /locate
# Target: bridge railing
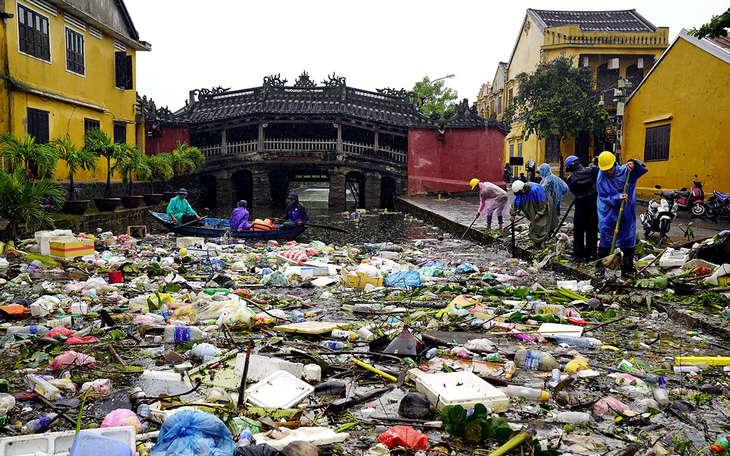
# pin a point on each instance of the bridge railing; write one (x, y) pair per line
(304, 145)
(300, 145)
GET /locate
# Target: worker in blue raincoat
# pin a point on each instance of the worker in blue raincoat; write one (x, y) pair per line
(553, 185)
(532, 200)
(610, 187)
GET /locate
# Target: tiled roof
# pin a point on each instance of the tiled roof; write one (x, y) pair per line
(596, 21)
(391, 108)
(721, 41)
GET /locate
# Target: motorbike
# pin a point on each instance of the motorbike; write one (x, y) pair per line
(694, 200)
(659, 214)
(720, 203)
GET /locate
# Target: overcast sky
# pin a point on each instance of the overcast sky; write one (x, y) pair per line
(374, 43)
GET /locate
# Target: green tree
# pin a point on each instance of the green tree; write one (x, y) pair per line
(434, 98)
(186, 159)
(717, 27)
(557, 100)
(26, 154)
(160, 167)
(76, 160)
(98, 143)
(21, 200)
(131, 162)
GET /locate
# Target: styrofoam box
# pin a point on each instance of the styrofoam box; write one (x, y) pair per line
(279, 390)
(184, 242)
(459, 388)
(59, 443)
(263, 366)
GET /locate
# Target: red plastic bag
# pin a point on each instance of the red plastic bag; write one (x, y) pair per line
(59, 330)
(404, 436)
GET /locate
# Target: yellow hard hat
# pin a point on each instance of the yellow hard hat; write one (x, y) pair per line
(606, 160)
(473, 183)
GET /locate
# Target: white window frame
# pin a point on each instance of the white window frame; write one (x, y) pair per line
(50, 38)
(83, 38)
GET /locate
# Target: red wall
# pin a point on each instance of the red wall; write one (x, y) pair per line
(164, 138)
(435, 165)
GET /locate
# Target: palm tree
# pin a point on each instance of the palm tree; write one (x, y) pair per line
(76, 160)
(186, 159)
(21, 200)
(98, 143)
(26, 154)
(130, 163)
(160, 167)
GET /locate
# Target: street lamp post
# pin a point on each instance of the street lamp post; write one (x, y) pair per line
(448, 76)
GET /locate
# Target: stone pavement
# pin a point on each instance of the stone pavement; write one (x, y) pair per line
(462, 208)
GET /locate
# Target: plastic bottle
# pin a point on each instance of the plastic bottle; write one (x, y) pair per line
(31, 330)
(143, 410)
(556, 376)
(334, 345)
(65, 321)
(344, 334)
(142, 449)
(661, 396)
(535, 360)
(431, 353)
(245, 437)
(573, 417)
(33, 426)
(509, 370)
(298, 316)
(721, 444)
(183, 334)
(572, 341)
(43, 387)
(527, 393)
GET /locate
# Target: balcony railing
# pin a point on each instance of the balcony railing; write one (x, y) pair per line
(307, 145)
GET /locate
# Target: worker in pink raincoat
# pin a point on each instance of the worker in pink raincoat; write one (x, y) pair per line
(492, 200)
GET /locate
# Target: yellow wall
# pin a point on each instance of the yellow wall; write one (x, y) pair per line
(535, 46)
(693, 87)
(67, 96)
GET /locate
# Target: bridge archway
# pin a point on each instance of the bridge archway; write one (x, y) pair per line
(388, 191)
(208, 188)
(242, 184)
(355, 182)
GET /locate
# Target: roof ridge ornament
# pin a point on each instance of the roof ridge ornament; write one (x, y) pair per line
(304, 81)
(334, 81)
(393, 92)
(274, 80)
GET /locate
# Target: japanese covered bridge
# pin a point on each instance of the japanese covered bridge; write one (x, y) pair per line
(258, 141)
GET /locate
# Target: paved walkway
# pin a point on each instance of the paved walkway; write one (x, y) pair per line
(462, 209)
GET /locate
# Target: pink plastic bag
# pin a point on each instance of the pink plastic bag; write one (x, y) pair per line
(59, 330)
(99, 387)
(122, 417)
(81, 340)
(296, 256)
(609, 405)
(404, 436)
(71, 358)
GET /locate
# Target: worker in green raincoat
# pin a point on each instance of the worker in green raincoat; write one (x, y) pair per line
(180, 210)
(538, 207)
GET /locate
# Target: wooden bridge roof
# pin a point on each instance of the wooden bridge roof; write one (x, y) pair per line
(307, 101)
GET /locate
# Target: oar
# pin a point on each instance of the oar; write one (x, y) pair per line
(327, 227)
(194, 221)
(513, 240)
(472, 224)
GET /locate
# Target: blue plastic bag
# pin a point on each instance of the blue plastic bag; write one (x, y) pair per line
(191, 433)
(465, 268)
(87, 443)
(404, 279)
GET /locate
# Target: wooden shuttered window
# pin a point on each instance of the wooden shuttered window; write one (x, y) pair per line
(123, 76)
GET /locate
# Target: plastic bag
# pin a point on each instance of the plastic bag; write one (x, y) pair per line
(122, 417)
(99, 387)
(466, 268)
(276, 278)
(404, 436)
(404, 279)
(71, 358)
(191, 433)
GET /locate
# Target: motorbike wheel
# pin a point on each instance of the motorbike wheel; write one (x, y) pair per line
(711, 212)
(698, 210)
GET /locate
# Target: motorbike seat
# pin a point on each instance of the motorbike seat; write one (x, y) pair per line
(683, 194)
(722, 195)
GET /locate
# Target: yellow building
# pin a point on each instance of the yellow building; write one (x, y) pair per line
(68, 66)
(678, 120)
(615, 44)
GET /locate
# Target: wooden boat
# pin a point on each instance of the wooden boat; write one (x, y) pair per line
(214, 227)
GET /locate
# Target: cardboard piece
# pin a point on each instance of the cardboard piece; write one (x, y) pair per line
(311, 327)
(554, 329)
(71, 248)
